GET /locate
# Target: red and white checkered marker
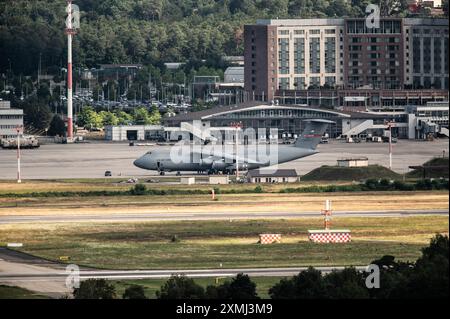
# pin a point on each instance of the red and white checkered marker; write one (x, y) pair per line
(320, 236)
(327, 235)
(266, 239)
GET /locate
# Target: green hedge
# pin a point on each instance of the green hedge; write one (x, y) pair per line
(142, 190)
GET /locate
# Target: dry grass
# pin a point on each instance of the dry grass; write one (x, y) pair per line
(226, 203)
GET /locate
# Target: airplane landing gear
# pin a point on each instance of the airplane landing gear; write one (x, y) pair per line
(162, 173)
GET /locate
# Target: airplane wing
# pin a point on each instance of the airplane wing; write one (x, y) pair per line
(232, 157)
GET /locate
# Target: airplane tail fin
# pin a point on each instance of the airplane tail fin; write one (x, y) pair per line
(312, 134)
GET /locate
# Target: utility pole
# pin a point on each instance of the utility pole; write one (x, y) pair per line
(19, 177)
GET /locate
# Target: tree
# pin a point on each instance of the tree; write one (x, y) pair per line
(141, 116)
(37, 115)
(134, 292)
(430, 277)
(94, 289)
(308, 284)
(89, 118)
(180, 287)
(123, 118)
(43, 93)
(241, 287)
(57, 126)
(108, 118)
(390, 8)
(346, 284)
(155, 116)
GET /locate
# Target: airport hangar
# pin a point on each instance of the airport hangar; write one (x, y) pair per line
(288, 119)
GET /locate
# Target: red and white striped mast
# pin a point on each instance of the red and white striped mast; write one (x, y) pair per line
(70, 31)
(19, 175)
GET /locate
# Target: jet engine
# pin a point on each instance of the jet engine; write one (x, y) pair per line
(219, 165)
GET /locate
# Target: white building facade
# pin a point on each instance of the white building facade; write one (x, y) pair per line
(10, 120)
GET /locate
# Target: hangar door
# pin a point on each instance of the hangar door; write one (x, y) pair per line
(132, 135)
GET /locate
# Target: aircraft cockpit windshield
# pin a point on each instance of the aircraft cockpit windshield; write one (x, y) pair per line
(148, 153)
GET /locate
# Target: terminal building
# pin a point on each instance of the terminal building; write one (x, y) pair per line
(411, 122)
(10, 120)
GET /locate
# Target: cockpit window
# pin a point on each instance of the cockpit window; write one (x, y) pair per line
(149, 153)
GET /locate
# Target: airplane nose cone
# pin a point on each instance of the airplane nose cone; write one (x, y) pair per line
(139, 163)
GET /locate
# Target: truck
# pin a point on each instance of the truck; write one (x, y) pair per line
(26, 142)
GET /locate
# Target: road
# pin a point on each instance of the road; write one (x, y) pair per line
(91, 160)
(48, 278)
(129, 217)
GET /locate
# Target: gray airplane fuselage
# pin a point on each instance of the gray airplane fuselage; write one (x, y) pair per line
(223, 158)
(204, 160)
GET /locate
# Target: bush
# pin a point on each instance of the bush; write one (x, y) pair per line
(371, 184)
(134, 292)
(138, 190)
(95, 289)
(258, 189)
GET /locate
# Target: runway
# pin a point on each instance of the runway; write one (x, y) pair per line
(130, 217)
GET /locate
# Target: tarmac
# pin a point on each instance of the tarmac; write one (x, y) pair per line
(91, 160)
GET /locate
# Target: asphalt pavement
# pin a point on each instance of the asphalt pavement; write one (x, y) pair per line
(129, 217)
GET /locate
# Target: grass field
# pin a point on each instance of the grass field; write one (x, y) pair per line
(208, 244)
(8, 292)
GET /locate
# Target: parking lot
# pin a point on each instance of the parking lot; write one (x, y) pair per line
(91, 160)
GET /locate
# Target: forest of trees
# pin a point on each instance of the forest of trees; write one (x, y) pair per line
(147, 31)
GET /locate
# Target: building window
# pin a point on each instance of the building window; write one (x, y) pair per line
(299, 56)
(283, 56)
(330, 55)
(314, 55)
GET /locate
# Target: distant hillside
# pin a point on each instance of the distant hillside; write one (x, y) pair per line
(335, 173)
(144, 31)
(435, 168)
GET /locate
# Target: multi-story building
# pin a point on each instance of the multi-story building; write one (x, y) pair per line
(10, 120)
(293, 54)
(426, 53)
(373, 56)
(291, 59)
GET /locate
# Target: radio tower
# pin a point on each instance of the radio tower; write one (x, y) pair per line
(70, 31)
